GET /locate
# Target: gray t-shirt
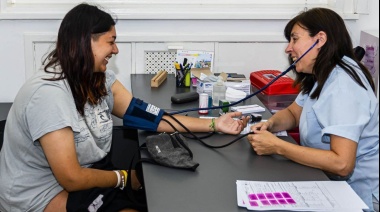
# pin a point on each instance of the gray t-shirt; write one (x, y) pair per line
(41, 106)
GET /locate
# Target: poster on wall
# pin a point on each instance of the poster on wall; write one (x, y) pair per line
(196, 59)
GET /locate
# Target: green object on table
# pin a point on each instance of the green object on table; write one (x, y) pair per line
(222, 103)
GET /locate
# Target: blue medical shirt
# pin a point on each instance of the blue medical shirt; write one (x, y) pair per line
(346, 109)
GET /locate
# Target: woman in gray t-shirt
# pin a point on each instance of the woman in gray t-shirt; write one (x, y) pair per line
(60, 123)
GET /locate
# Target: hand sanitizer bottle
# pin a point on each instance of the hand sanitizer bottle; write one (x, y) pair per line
(218, 91)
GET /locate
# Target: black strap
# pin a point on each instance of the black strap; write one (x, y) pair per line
(198, 138)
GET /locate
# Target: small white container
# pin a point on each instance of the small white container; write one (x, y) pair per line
(203, 103)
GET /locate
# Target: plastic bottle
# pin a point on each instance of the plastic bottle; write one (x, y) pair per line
(218, 91)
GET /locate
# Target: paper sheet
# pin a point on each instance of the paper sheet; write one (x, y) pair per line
(298, 196)
(247, 129)
(248, 109)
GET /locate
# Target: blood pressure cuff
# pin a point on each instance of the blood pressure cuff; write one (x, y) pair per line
(143, 116)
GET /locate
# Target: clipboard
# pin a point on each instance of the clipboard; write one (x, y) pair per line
(159, 78)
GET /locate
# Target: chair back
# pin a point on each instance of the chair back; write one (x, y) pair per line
(359, 52)
(2, 126)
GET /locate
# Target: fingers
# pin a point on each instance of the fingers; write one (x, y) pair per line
(253, 142)
(256, 145)
(231, 124)
(256, 127)
(234, 114)
(237, 113)
(258, 130)
(262, 126)
(245, 120)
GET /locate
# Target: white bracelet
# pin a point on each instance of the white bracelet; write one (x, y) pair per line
(118, 178)
(122, 182)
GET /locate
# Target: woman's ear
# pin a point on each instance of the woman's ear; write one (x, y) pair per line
(322, 38)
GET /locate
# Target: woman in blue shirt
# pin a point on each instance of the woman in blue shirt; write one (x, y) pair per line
(336, 111)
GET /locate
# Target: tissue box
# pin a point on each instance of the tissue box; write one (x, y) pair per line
(244, 86)
(206, 87)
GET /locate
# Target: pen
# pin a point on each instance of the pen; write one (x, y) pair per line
(178, 68)
(182, 69)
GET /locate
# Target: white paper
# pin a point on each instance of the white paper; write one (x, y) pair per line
(247, 129)
(298, 196)
(248, 109)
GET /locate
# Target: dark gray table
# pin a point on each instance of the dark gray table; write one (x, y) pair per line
(212, 187)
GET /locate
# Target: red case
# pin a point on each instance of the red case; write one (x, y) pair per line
(283, 85)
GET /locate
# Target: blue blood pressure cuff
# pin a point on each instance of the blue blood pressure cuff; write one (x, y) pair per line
(141, 115)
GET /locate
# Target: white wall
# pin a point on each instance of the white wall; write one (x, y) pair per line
(12, 38)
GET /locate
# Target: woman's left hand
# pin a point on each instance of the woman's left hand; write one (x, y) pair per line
(230, 125)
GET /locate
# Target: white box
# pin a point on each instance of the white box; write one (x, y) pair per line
(204, 87)
(244, 86)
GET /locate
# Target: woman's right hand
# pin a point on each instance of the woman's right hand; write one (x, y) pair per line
(266, 125)
(264, 142)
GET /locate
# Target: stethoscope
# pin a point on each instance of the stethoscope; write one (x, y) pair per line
(253, 94)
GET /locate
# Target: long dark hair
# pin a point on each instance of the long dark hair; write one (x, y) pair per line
(338, 44)
(73, 53)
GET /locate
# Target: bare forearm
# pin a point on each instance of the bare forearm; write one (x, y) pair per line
(282, 120)
(326, 160)
(285, 119)
(192, 123)
(87, 178)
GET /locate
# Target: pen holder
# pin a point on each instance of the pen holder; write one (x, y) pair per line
(183, 79)
(178, 80)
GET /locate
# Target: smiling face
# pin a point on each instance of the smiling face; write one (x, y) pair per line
(103, 47)
(300, 42)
